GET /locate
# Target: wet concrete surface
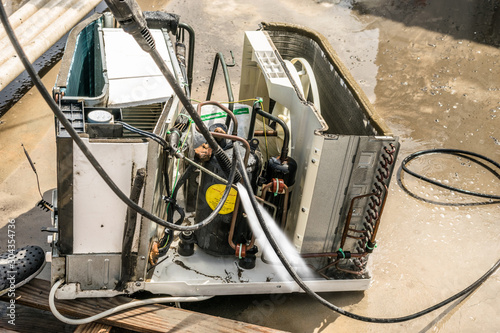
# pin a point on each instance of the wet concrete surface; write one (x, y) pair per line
(431, 68)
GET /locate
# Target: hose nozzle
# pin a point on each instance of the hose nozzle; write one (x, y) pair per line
(129, 15)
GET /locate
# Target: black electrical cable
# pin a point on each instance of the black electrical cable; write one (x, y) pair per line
(182, 180)
(166, 179)
(150, 135)
(85, 150)
(310, 292)
(456, 152)
(168, 236)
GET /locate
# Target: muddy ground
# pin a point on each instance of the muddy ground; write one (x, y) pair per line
(431, 69)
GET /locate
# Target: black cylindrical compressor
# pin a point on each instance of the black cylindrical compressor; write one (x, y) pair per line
(213, 238)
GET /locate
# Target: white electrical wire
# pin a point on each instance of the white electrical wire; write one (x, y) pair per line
(119, 308)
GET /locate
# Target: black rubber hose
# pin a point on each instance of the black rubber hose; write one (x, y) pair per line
(173, 198)
(192, 42)
(85, 150)
(456, 152)
(284, 149)
(310, 292)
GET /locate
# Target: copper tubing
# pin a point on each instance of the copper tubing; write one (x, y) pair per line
(233, 224)
(237, 202)
(377, 222)
(266, 188)
(223, 108)
(235, 138)
(390, 152)
(267, 133)
(348, 270)
(349, 217)
(360, 231)
(320, 270)
(356, 237)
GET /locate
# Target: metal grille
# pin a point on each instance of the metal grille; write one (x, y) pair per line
(143, 117)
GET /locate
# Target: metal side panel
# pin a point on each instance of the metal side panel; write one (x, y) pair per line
(334, 172)
(98, 214)
(349, 167)
(93, 272)
(369, 168)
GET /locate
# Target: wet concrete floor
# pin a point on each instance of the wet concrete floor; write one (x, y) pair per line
(431, 68)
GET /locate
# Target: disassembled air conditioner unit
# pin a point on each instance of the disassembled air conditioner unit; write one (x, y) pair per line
(319, 157)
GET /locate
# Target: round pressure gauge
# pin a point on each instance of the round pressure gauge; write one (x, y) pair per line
(100, 117)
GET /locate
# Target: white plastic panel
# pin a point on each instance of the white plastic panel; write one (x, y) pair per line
(302, 119)
(100, 229)
(134, 78)
(204, 274)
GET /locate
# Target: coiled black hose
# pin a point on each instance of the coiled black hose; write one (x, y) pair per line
(310, 292)
(494, 199)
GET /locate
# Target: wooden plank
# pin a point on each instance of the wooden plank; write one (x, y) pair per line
(29, 320)
(151, 318)
(93, 328)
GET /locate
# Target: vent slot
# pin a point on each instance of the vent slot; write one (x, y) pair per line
(143, 117)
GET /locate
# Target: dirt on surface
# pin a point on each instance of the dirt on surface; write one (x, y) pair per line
(431, 68)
